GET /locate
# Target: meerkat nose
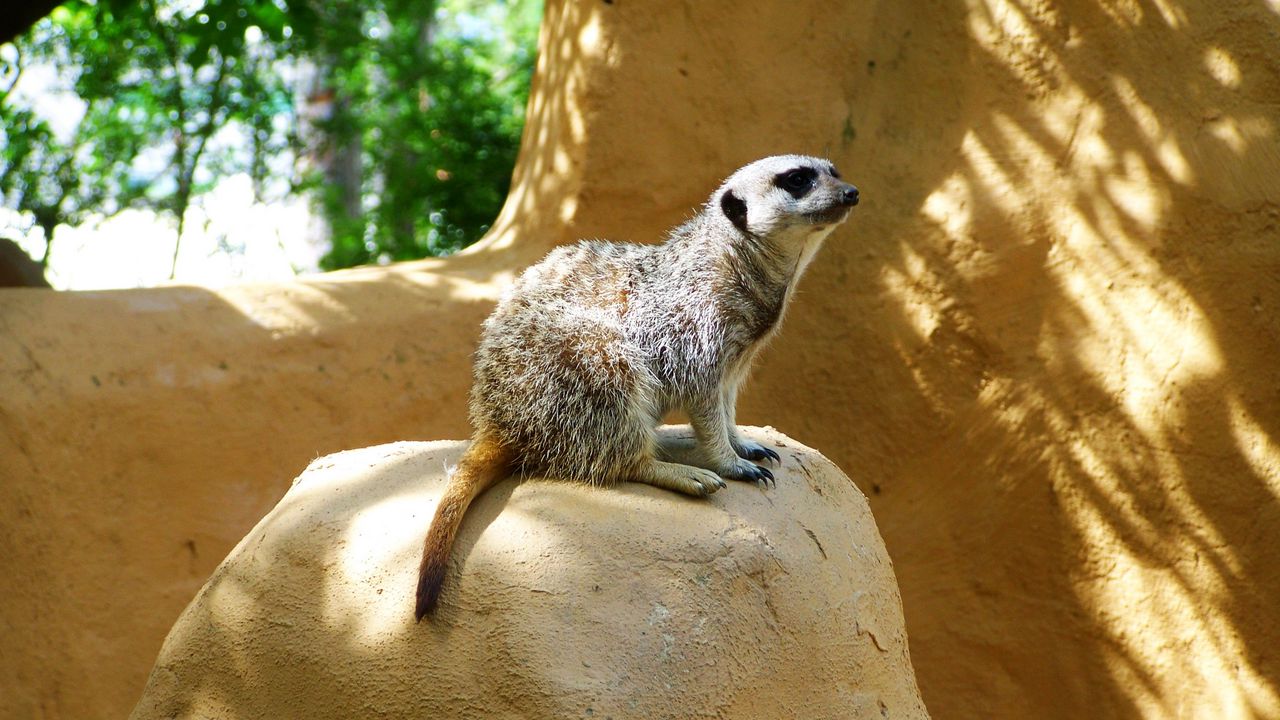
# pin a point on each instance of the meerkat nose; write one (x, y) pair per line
(851, 196)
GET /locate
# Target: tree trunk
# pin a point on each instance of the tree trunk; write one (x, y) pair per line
(339, 159)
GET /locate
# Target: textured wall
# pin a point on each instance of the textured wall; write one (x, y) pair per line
(1045, 344)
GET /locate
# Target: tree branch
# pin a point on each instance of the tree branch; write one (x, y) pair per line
(187, 173)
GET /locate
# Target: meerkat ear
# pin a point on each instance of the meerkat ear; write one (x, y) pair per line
(735, 208)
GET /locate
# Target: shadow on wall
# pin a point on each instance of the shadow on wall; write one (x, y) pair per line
(143, 432)
(1087, 306)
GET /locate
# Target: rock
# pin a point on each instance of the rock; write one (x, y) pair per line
(17, 269)
(564, 601)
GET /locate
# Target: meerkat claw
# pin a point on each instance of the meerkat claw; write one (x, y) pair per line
(767, 474)
(755, 452)
(750, 472)
(710, 482)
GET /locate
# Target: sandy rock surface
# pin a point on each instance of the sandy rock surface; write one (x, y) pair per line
(571, 602)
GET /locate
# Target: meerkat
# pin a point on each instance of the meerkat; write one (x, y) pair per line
(594, 345)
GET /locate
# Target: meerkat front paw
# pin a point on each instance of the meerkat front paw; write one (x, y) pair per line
(742, 469)
(686, 479)
(705, 479)
(754, 451)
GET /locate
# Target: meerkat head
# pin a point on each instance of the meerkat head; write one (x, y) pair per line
(786, 197)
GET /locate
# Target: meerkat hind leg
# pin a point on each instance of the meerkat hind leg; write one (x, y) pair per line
(716, 453)
(685, 479)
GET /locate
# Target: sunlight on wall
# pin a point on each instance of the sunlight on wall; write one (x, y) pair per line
(1172, 650)
(543, 198)
(1095, 170)
(1141, 334)
(1222, 67)
(912, 286)
(1259, 450)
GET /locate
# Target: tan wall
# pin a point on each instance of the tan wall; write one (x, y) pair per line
(1045, 345)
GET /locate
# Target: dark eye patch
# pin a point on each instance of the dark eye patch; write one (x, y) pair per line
(834, 172)
(797, 182)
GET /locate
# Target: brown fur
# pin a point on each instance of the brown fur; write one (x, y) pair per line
(483, 465)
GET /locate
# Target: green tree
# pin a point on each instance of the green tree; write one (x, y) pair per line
(38, 170)
(434, 103)
(160, 87)
(425, 104)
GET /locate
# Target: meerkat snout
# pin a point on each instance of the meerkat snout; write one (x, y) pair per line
(851, 196)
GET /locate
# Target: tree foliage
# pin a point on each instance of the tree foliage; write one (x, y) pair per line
(437, 113)
(427, 102)
(158, 86)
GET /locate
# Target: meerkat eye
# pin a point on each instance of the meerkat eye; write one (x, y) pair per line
(797, 182)
(834, 172)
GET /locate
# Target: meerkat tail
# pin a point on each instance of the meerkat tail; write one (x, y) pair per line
(483, 464)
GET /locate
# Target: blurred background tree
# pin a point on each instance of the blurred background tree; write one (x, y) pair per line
(399, 120)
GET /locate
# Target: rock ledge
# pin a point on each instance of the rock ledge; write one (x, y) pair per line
(570, 601)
